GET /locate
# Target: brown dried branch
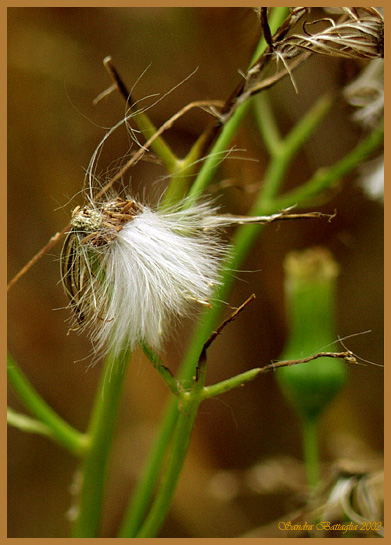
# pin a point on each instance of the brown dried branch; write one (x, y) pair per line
(202, 359)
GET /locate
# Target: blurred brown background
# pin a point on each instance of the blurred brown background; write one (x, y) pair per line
(55, 71)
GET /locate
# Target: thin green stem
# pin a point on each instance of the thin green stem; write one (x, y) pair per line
(244, 237)
(326, 178)
(101, 431)
(242, 242)
(148, 480)
(230, 383)
(159, 145)
(220, 148)
(266, 123)
(142, 121)
(59, 430)
(309, 428)
(217, 154)
(163, 371)
(273, 179)
(180, 181)
(179, 447)
(288, 149)
(26, 424)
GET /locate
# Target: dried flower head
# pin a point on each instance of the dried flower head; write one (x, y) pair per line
(128, 269)
(366, 94)
(353, 492)
(371, 179)
(359, 34)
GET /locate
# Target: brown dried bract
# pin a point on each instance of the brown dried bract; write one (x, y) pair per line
(102, 225)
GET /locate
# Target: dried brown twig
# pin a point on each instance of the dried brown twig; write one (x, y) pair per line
(202, 359)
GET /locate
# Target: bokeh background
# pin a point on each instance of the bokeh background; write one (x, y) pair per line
(244, 465)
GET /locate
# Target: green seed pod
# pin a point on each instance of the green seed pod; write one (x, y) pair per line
(310, 293)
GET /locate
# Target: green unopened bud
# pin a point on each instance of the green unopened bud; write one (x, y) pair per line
(310, 292)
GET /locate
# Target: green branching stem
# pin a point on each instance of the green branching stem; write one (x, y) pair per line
(52, 424)
(159, 145)
(325, 179)
(163, 371)
(267, 202)
(26, 424)
(220, 148)
(231, 383)
(267, 124)
(179, 447)
(149, 478)
(148, 481)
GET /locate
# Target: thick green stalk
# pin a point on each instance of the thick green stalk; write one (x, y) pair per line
(58, 429)
(101, 431)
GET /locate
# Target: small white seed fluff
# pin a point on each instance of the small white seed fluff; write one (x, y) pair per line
(159, 264)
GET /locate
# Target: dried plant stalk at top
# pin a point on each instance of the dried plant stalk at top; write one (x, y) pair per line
(360, 34)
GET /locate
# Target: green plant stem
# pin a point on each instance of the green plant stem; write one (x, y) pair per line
(325, 178)
(180, 181)
(243, 239)
(159, 145)
(218, 152)
(26, 424)
(148, 480)
(163, 371)
(178, 186)
(214, 159)
(179, 447)
(230, 383)
(58, 429)
(142, 121)
(309, 428)
(101, 430)
(266, 123)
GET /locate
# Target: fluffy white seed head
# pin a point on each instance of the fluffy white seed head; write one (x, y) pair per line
(127, 281)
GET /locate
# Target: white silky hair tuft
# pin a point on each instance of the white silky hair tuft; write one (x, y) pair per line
(159, 264)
